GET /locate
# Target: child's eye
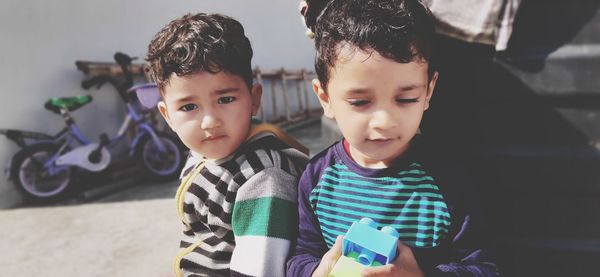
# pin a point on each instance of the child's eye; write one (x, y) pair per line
(188, 107)
(407, 100)
(226, 100)
(358, 102)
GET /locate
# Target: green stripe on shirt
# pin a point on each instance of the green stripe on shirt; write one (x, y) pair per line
(256, 217)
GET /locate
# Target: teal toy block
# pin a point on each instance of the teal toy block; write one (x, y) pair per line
(365, 245)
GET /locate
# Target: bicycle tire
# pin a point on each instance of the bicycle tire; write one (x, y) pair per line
(162, 166)
(36, 182)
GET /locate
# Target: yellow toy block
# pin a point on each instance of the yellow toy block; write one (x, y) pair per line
(347, 267)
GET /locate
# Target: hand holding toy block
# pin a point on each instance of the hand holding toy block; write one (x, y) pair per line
(364, 245)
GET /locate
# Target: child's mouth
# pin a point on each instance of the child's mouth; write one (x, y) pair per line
(380, 140)
(212, 138)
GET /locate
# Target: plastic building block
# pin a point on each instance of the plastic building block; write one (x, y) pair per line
(365, 245)
(347, 267)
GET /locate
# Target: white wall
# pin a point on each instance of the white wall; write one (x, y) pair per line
(41, 40)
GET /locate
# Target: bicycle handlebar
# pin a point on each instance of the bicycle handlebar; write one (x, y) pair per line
(122, 85)
(125, 62)
(123, 59)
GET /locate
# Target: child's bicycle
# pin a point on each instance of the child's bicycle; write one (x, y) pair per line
(45, 165)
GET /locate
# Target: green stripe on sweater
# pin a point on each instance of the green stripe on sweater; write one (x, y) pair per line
(267, 216)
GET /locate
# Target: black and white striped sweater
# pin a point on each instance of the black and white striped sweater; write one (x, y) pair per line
(240, 212)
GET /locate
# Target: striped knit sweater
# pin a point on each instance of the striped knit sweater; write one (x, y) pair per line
(426, 199)
(240, 212)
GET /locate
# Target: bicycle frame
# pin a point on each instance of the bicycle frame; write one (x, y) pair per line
(143, 129)
(133, 116)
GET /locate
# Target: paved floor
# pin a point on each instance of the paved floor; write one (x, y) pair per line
(133, 238)
(123, 228)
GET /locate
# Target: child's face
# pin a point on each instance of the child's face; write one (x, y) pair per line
(210, 113)
(378, 103)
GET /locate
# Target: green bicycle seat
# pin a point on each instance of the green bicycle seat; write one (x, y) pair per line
(56, 104)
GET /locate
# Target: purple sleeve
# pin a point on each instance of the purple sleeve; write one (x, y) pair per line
(467, 251)
(459, 258)
(310, 245)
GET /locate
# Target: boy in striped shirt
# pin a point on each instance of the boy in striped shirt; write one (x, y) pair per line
(376, 76)
(237, 199)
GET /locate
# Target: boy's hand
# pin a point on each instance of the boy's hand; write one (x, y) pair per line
(329, 259)
(404, 265)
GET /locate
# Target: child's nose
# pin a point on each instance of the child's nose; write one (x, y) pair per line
(209, 121)
(382, 120)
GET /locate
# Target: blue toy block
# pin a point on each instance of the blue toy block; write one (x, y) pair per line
(364, 245)
(368, 246)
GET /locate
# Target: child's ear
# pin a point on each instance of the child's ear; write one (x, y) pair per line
(162, 108)
(256, 94)
(430, 89)
(323, 98)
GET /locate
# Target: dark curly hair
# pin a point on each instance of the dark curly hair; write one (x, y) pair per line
(400, 30)
(200, 42)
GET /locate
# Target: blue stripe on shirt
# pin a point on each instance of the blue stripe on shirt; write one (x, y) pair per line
(411, 203)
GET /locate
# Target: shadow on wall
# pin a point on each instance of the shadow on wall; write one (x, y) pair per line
(538, 171)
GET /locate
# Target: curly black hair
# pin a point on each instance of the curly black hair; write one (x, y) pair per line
(400, 30)
(200, 42)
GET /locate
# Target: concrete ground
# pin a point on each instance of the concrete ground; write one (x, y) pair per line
(136, 238)
(123, 228)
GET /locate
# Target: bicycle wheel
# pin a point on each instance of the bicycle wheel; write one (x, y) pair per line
(36, 179)
(165, 164)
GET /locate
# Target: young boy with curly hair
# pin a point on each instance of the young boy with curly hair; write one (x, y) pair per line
(237, 199)
(375, 63)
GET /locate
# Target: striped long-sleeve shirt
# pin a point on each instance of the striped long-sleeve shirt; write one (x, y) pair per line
(426, 200)
(240, 212)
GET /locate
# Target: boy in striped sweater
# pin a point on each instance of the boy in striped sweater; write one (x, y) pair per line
(237, 199)
(376, 76)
